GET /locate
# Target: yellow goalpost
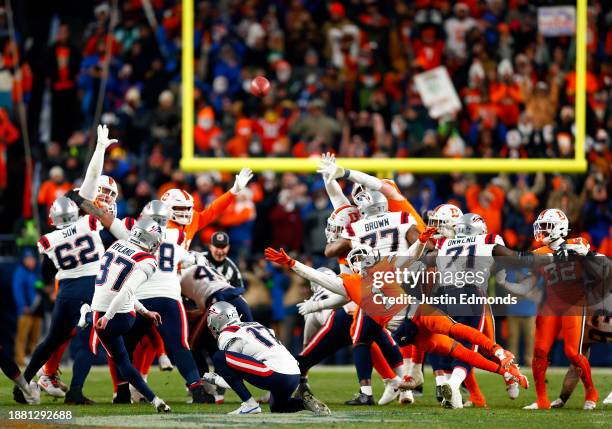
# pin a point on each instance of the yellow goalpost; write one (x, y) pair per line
(190, 163)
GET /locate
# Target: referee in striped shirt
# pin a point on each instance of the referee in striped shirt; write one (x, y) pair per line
(217, 255)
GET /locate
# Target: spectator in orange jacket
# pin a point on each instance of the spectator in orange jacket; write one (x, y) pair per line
(488, 203)
(205, 130)
(51, 189)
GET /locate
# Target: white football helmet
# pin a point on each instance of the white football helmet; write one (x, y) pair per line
(470, 224)
(220, 315)
(107, 191)
(158, 211)
(147, 234)
(181, 205)
(63, 212)
(444, 218)
(358, 188)
(339, 218)
(361, 258)
(372, 203)
(551, 225)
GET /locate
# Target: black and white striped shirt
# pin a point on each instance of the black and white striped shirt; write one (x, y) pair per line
(228, 269)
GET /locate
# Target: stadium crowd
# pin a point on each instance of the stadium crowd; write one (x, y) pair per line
(342, 80)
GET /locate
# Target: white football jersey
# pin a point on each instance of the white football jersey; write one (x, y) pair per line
(459, 256)
(200, 281)
(165, 282)
(75, 250)
(384, 232)
(255, 340)
(124, 266)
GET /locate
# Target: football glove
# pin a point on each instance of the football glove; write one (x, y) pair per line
(242, 180)
(279, 256)
(103, 139)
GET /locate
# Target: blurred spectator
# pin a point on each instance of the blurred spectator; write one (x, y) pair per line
(51, 189)
(8, 135)
(26, 279)
(62, 68)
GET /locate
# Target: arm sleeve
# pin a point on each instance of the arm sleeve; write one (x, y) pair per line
(212, 212)
(119, 230)
(336, 195)
(89, 188)
(331, 283)
(126, 293)
(139, 306)
(333, 301)
(366, 180)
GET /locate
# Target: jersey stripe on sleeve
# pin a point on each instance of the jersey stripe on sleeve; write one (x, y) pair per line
(44, 242)
(142, 256)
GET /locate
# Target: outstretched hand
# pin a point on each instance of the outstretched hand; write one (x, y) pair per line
(329, 169)
(242, 180)
(279, 257)
(427, 234)
(103, 139)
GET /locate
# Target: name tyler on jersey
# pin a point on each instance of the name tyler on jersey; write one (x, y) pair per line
(370, 226)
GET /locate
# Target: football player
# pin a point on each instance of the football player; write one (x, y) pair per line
(162, 294)
(75, 248)
(126, 265)
(184, 219)
(562, 312)
(365, 330)
(248, 351)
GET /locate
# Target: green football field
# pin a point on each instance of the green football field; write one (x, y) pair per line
(333, 385)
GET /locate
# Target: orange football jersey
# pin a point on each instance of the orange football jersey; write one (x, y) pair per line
(204, 217)
(562, 281)
(404, 205)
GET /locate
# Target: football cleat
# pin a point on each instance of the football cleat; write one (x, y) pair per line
(391, 392)
(608, 400)
(85, 319)
(514, 373)
(408, 383)
(247, 408)
(200, 396)
(589, 405)
(313, 404)
(417, 376)
(557, 403)
(164, 363)
(535, 406)
(76, 397)
(451, 398)
(512, 388)
(31, 396)
(406, 397)
(50, 385)
(122, 396)
(418, 391)
(439, 393)
(160, 405)
(361, 399)
(302, 388)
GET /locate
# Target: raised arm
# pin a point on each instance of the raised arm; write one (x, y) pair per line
(331, 283)
(89, 188)
(337, 197)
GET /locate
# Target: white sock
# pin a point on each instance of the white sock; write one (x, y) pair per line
(402, 370)
(417, 368)
(23, 385)
(409, 365)
(457, 377)
(367, 390)
(440, 379)
(251, 402)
